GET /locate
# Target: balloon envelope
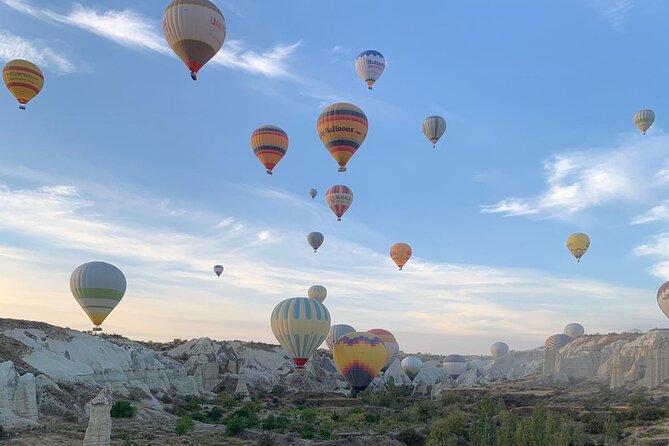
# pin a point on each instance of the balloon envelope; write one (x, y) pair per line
(195, 30)
(359, 357)
(557, 341)
(300, 325)
(411, 366)
(574, 330)
(578, 244)
(336, 332)
(370, 65)
(643, 119)
(23, 79)
(218, 269)
(400, 253)
(663, 298)
(389, 341)
(342, 128)
(339, 198)
(315, 240)
(98, 287)
(455, 365)
(318, 292)
(499, 349)
(433, 128)
(313, 193)
(269, 144)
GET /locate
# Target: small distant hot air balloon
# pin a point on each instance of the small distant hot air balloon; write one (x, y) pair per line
(370, 65)
(557, 341)
(411, 366)
(300, 325)
(400, 253)
(336, 332)
(499, 349)
(313, 193)
(23, 79)
(643, 119)
(339, 198)
(433, 128)
(578, 244)
(218, 269)
(315, 239)
(195, 30)
(389, 341)
(359, 357)
(269, 144)
(663, 298)
(574, 330)
(98, 287)
(342, 128)
(455, 365)
(318, 292)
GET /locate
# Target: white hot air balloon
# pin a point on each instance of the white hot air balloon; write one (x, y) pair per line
(499, 349)
(318, 292)
(574, 330)
(411, 366)
(455, 365)
(336, 332)
(370, 65)
(433, 128)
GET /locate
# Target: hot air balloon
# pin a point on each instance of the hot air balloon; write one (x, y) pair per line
(433, 128)
(359, 357)
(300, 325)
(557, 341)
(663, 298)
(318, 292)
(411, 366)
(315, 239)
(339, 198)
(499, 349)
(400, 253)
(218, 269)
(98, 287)
(389, 341)
(195, 30)
(313, 193)
(269, 144)
(336, 332)
(23, 79)
(455, 365)
(577, 244)
(342, 128)
(643, 119)
(370, 65)
(574, 330)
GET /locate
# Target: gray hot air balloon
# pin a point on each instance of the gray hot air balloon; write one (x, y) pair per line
(455, 365)
(315, 239)
(433, 128)
(336, 332)
(98, 287)
(411, 366)
(557, 341)
(318, 292)
(499, 349)
(313, 193)
(574, 330)
(218, 269)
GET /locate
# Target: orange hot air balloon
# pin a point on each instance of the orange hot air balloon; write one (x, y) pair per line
(269, 144)
(342, 128)
(400, 253)
(23, 79)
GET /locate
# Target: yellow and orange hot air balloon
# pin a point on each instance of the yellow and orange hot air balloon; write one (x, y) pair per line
(342, 128)
(359, 357)
(269, 144)
(23, 79)
(400, 253)
(578, 244)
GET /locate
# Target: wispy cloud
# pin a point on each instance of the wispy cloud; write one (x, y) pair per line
(13, 47)
(615, 11)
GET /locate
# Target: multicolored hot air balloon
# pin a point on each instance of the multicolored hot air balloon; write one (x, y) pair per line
(23, 79)
(359, 357)
(300, 325)
(218, 269)
(336, 332)
(98, 287)
(663, 298)
(315, 240)
(574, 330)
(389, 341)
(195, 30)
(400, 253)
(499, 349)
(318, 292)
(339, 198)
(411, 366)
(557, 341)
(578, 244)
(370, 65)
(313, 193)
(455, 365)
(643, 119)
(269, 144)
(342, 128)
(433, 128)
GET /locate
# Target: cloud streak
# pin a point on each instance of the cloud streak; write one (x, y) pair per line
(16, 47)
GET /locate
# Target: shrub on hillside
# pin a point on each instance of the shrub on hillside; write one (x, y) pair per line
(411, 437)
(184, 424)
(123, 409)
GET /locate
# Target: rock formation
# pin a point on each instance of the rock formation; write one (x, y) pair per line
(99, 428)
(18, 396)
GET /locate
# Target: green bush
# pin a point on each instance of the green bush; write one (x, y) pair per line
(325, 430)
(276, 422)
(214, 414)
(183, 425)
(411, 437)
(123, 409)
(3, 433)
(308, 416)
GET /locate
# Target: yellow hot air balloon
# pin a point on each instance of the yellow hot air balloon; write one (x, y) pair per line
(195, 30)
(400, 253)
(269, 144)
(578, 244)
(342, 128)
(300, 325)
(359, 357)
(23, 79)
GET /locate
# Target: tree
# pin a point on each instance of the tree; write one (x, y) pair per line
(482, 432)
(508, 425)
(123, 409)
(611, 431)
(184, 424)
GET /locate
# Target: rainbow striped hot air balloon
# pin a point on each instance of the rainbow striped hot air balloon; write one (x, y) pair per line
(389, 341)
(300, 325)
(342, 128)
(98, 287)
(339, 198)
(359, 357)
(23, 79)
(269, 144)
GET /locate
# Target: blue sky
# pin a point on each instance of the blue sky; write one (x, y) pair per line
(123, 158)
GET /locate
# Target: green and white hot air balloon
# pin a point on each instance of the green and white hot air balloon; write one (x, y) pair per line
(643, 119)
(98, 287)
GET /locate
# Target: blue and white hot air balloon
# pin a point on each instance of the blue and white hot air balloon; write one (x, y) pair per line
(370, 65)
